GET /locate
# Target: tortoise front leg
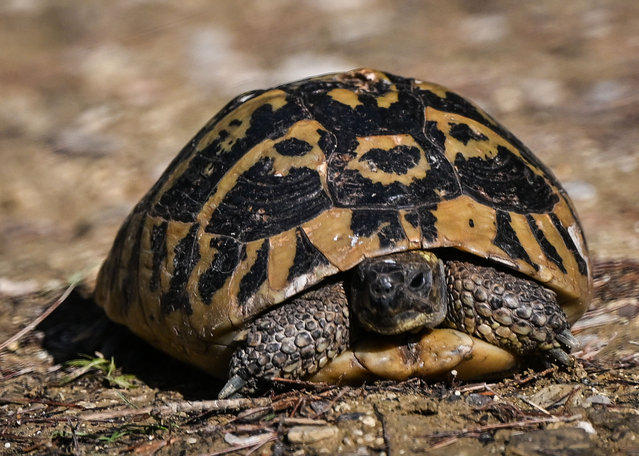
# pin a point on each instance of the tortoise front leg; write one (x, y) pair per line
(513, 313)
(292, 340)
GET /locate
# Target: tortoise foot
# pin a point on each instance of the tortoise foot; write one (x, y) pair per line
(291, 341)
(516, 314)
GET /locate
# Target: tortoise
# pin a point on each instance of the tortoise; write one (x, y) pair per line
(351, 226)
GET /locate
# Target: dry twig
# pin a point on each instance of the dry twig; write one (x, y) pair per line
(382, 420)
(177, 407)
(448, 437)
(534, 376)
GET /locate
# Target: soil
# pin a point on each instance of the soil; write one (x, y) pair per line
(97, 100)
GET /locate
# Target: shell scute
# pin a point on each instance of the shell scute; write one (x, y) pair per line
(490, 169)
(267, 192)
(192, 178)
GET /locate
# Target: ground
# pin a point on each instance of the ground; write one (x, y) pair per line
(96, 101)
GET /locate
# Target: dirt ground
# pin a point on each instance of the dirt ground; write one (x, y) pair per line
(96, 98)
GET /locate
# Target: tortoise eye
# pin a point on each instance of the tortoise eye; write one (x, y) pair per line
(417, 281)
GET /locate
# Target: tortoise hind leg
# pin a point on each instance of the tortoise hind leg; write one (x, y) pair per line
(291, 341)
(513, 313)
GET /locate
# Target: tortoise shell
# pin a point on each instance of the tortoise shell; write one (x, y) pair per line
(285, 187)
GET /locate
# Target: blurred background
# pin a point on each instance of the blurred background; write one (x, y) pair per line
(97, 97)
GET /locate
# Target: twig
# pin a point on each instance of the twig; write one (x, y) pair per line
(444, 442)
(532, 404)
(333, 401)
(212, 405)
(476, 387)
(177, 407)
(21, 400)
(273, 405)
(382, 420)
(300, 383)
(294, 421)
(522, 381)
(27, 329)
(113, 414)
(261, 444)
(23, 371)
(298, 404)
(4, 435)
(493, 427)
(74, 436)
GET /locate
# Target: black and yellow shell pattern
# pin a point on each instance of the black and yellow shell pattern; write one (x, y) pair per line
(284, 187)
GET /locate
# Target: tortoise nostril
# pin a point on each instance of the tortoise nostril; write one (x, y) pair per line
(382, 287)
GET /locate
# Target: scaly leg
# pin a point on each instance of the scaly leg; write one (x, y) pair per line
(516, 314)
(293, 340)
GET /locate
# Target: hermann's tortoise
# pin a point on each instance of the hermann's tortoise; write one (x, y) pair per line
(351, 226)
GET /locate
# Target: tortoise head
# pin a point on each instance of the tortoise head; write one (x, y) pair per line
(401, 292)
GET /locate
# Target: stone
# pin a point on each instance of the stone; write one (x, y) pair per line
(311, 434)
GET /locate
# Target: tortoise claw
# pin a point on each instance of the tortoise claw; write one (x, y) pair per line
(561, 357)
(568, 342)
(566, 338)
(232, 387)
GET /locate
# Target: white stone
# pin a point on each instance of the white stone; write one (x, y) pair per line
(586, 426)
(368, 421)
(311, 434)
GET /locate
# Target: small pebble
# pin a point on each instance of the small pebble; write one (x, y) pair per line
(586, 426)
(350, 416)
(14, 288)
(478, 400)
(599, 399)
(311, 434)
(368, 421)
(368, 438)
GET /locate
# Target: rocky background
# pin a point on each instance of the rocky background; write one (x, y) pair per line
(97, 97)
